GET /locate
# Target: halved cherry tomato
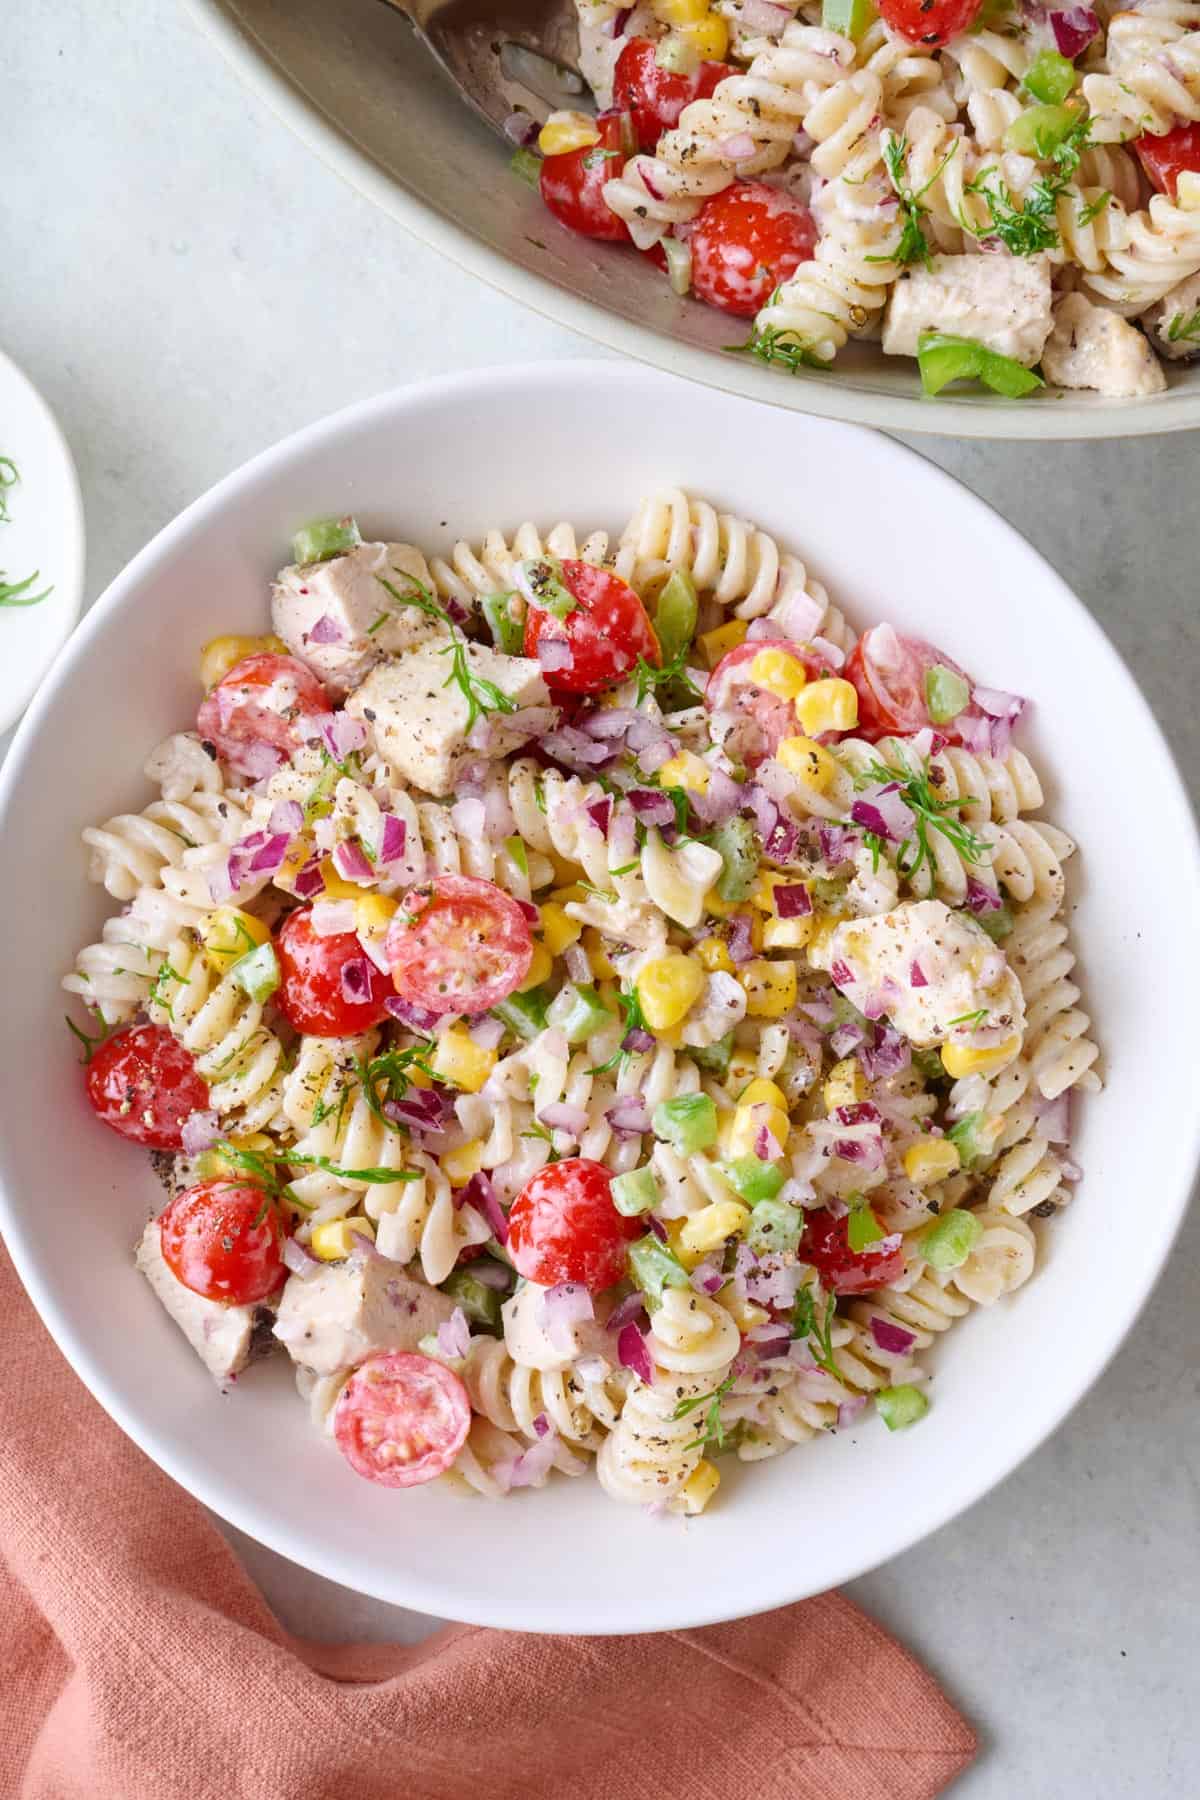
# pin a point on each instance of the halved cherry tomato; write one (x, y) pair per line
(329, 986)
(252, 713)
(401, 1419)
(563, 1226)
(143, 1084)
(826, 1246)
(605, 633)
(746, 240)
(224, 1240)
(653, 95)
(458, 945)
(888, 673)
(572, 185)
(764, 719)
(1166, 158)
(929, 21)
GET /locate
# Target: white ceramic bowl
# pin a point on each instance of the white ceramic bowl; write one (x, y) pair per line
(459, 455)
(355, 84)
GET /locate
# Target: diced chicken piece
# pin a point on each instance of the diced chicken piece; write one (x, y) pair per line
(338, 617)
(1092, 348)
(1174, 324)
(418, 724)
(331, 1320)
(1002, 302)
(938, 975)
(529, 1342)
(222, 1335)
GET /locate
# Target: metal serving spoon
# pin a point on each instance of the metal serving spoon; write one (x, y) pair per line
(505, 58)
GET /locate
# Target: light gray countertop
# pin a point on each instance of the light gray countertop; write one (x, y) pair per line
(187, 284)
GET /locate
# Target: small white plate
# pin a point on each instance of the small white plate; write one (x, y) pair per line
(44, 532)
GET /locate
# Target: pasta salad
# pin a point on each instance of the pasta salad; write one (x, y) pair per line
(992, 188)
(587, 1002)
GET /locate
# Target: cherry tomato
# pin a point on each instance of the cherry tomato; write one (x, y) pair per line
(605, 633)
(653, 95)
(224, 1240)
(889, 677)
(143, 1084)
(1166, 158)
(929, 21)
(826, 1246)
(329, 987)
(401, 1419)
(563, 1226)
(764, 719)
(746, 240)
(573, 185)
(252, 713)
(458, 945)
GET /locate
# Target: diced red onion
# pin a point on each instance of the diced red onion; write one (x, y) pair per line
(638, 1041)
(574, 749)
(793, 901)
(887, 1055)
(655, 755)
(652, 806)
(564, 1306)
(487, 1032)
(326, 631)
(800, 615)
(883, 811)
(356, 978)
(864, 1153)
(780, 842)
(892, 1338)
(819, 1011)
(849, 1410)
(630, 1311)
(258, 760)
(916, 975)
(832, 653)
(392, 839)
(1054, 1119)
(417, 1018)
(720, 800)
(629, 1116)
(554, 653)
(200, 1131)
(981, 899)
(331, 918)
(309, 881)
(846, 1038)
(600, 812)
(467, 817)
(561, 1115)
(837, 844)
(532, 1466)
(632, 1353)
(528, 721)
(342, 735)
(350, 860)
(299, 1261)
(707, 1277)
(480, 1194)
(739, 940)
(1074, 30)
(578, 967)
(859, 1112)
(765, 810)
(975, 733)
(541, 1425)
(737, 147)
(657, 1227)
(421, 1110)
(841, 972)
(454, 1334)
(608, 721)
(767, 1146)
(760, 17)
(266, 860)
(286, 816)
(220, 883)
(530, 912)
(491, 1274)
(520, 129)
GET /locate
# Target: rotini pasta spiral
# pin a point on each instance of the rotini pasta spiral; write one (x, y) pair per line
(515, 1398)
(131, 850)
(1152, 76)
(238, 1055)
(116, 975)
(470, 574)
(1057, 1047)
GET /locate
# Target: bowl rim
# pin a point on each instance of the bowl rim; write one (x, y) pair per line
(808, 391)
(414, 1588)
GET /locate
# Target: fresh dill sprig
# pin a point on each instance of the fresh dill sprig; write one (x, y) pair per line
(1184, 327)
(538, 1130)
(778, 347)
(914, 245)
(389, 1075)
(649, 679)
(970, 1018)
(264, 1164)
(930, 814)
(482, 696)
(15, 593)
(806, 1324)
(1091, 209)
(90, 1043)
(1028, 229)
(714, 1430)
(633, 1020)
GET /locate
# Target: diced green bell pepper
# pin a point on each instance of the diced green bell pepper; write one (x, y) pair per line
(774, 1226)
(688, 1123)
(524, 1014)
(675, 615)
(901, 1406)
(635, 1192)
(478, 1301)
(578, 1011)
(257, 973)
(945, 694)
(505, 615)
(739, 852)
(653, 1267)
(951, 1239)
(323, 538)
(754, 1180)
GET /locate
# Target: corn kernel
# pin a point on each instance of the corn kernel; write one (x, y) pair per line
(964, 1059)
(679, 12)
(699, 1488)
(334, 1240)
(720, 909)
(565, 871)
(811, 762)
(933, 1159)
(845, 1085)
(779, 672)
(566, 131)
(762, 1092)
(459, 1059)
(707, 1229)
(686, 771)
(708, 37)
(220, 654)
(541, 967)
(218, 1165)
(788, 934)
(718, 643)
(667, 989)
(763, 892)
(298, 854)
(562, 896)
(743, 1067)
(713, 952)
(744, 1313)
(459, 1165)
(228, 933)
(829, 705)
(819, 943)
(748, 1121)
(770, 988)
(691, 1259)
(558, 928)
(373, 913)
(336, 887)
(598, 958)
